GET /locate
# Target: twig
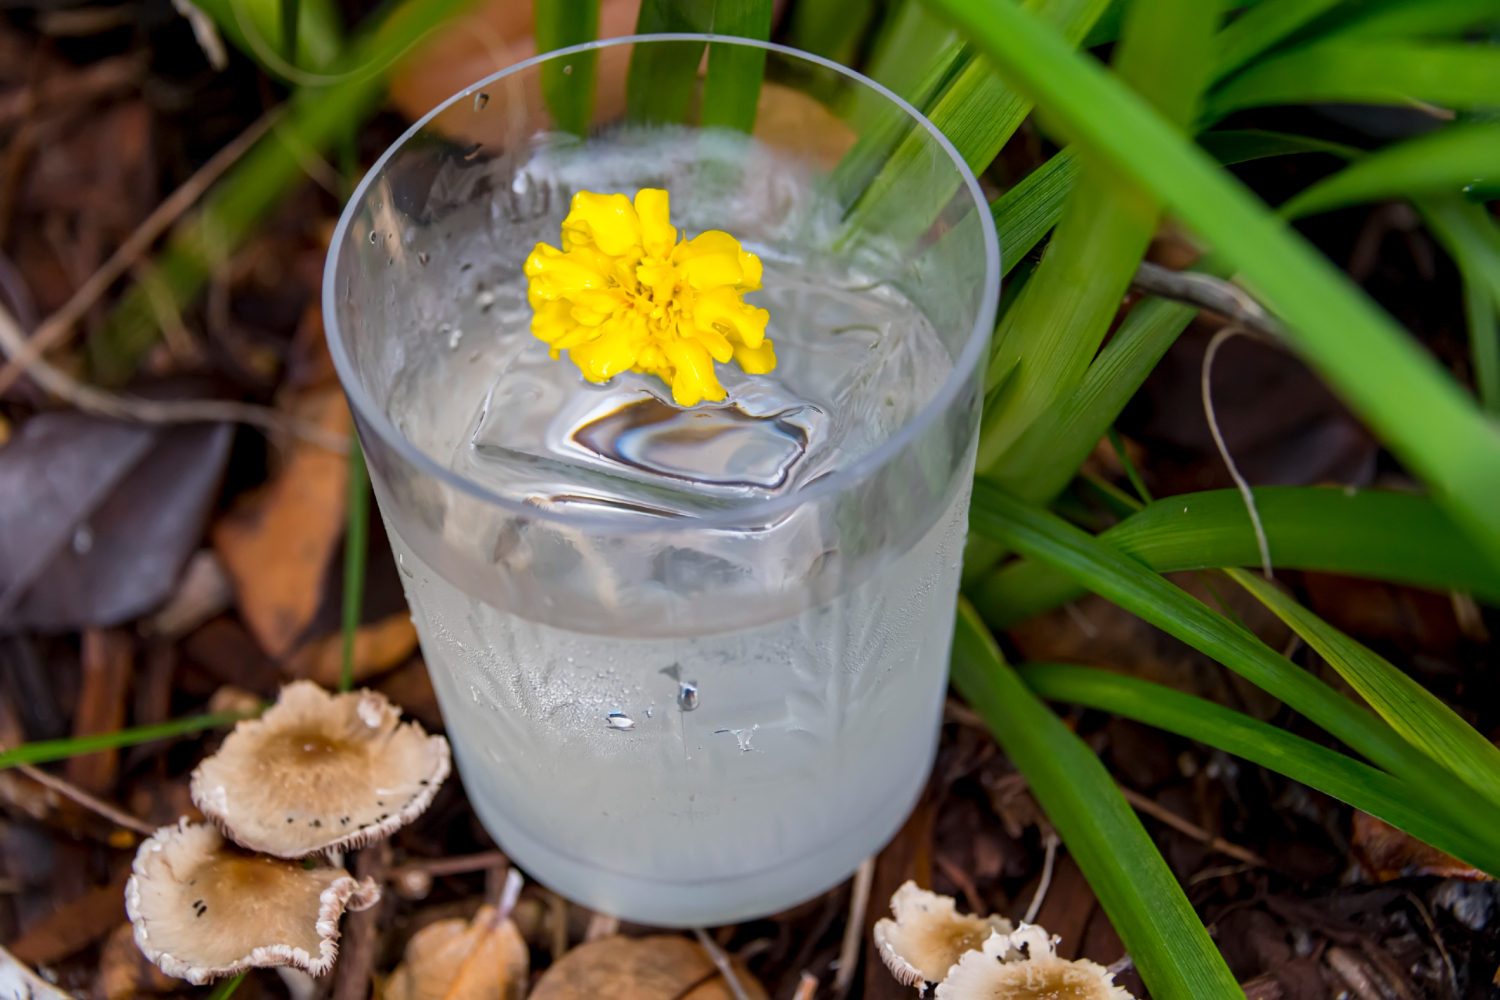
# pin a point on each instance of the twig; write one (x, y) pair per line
(557, 916)
(1352, 971)
(357, 950)
(1050, 837)
(56, 329)
(510, 894)
(722, 963)
(461, 865)
(71, 791)
(1176, 822)
(807, 986)
(1213, 426)
(134, 409)
(854, 930)
(1206, 292)
(1437, 939)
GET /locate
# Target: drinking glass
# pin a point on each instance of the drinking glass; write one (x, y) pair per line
(683, 701)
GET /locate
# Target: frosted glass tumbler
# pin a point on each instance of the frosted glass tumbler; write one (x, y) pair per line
(692, 662)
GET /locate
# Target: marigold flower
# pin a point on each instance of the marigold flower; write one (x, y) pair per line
(623, 295)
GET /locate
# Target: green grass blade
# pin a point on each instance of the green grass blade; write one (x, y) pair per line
(1364, 71)
(43, 751)
(261, 29)
(1413, 711)
(315, 119)
(568, 89)
(831, 28)
(1330, 772)
(1025, 213)
(1443, 161)
(1428, 19)
(224, 989)
(1263, 27)
(731, 90)
(1389, 380)
(1309, 528)
(1164, 936)
(1118, 578)
(356, 546)
(659, 83)
(1472, 239)
(1230, 146)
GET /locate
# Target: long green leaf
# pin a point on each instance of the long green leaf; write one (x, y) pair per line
(731, 90)
(1263, 27)
(1412, 710)
(1230, 146)
(1428, 19)
(659, 83)
(1443, 161)
(568, 88)
(1156, 922)
(1115, 576)
(831, 28)
(43, 751)
(1364, 71)
(1330, 772)
(1472, 238)
(258, 28)
(266, 174)
(1371, 533)
(1025, 213)
(1400, 390)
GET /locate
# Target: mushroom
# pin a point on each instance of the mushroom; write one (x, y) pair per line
(202, 909)
(320, 772)
(1024, 966)
(928, 935)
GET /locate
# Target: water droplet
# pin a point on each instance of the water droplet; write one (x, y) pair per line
(83, 539)
(687, 696)
(480, 100)
(743, 736)
(423, 257)
(374, 238)
(568, 70)
(620, 721)
(454, 338)
(484, 300)
(401, 564)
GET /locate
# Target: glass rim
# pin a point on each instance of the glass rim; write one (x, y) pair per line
(366, 411)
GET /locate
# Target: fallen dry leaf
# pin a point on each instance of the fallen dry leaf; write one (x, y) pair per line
(276, 544)
(456, 959)
(663, 967)
(124, 972)
(1386, 853)
(378, 647)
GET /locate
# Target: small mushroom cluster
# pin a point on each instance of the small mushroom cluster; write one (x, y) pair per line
(317, 773)
(973, 958)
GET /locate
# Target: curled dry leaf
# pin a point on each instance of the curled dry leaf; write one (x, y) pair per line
(1386, 853)
(202, 909)
(928, 935)
(482, 959)
(320, 771)
(663, 967)
(1025, 966)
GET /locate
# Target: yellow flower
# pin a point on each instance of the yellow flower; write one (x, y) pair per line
(623, 295)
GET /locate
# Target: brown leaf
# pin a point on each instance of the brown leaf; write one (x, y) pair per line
(1386, 853)
(125, 972)
(74, 926)
(377, 648)
(411, 688)
(482, 959)
(662, 967)
(107, 659)
(277, 543)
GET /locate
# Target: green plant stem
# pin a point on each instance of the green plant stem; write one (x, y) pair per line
(224, 988)
(1131, 472)
(43, 751)
(568, 87)
(356, 547)
(1121, 863)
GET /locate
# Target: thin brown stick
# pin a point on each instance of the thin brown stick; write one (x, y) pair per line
(115, 406)
(67, 789)
(461, 865)
(58, 327)
(806, 987)
(859, 902)
(1205, 292)
(1176, 822)
(722, 963)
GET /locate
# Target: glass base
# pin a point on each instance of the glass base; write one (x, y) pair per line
(710, 902)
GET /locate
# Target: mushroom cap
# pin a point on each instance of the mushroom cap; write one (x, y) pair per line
(319, 772)
(1024, 966)
(928, 935)
(202, 909)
